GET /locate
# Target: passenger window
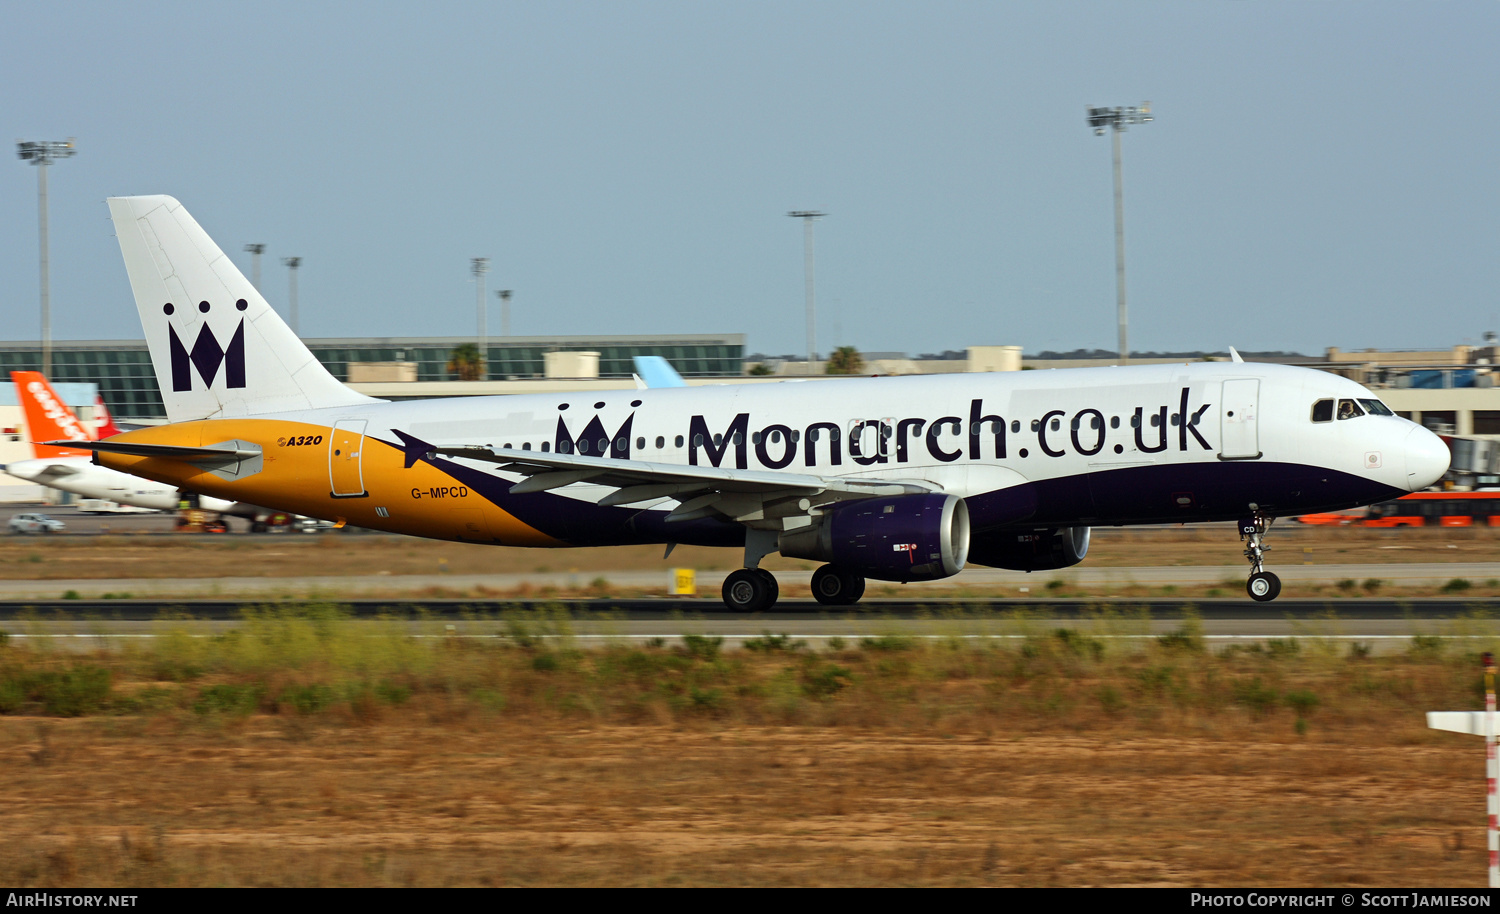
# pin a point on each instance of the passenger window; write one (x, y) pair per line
(1036, 424)
(1322, 411)
(546, 446)
(678, 440)
(640, 444)
(660, 442)
(1348, 409)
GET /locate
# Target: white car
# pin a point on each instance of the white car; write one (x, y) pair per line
(35, 523)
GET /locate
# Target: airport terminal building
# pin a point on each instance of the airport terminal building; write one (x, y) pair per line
(122, 368)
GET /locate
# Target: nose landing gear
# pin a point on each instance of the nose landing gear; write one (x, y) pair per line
(1262, 586)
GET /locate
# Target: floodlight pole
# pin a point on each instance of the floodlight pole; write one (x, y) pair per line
(504, 296)
(1116, 120)
(807, 217)
(41, 155)
(292, 263)
(481, 266)
(255, 251)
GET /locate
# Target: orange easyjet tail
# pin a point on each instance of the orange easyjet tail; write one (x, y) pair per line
(48, 418)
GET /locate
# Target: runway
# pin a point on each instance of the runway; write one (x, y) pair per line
(990, 580)
(1379, 625)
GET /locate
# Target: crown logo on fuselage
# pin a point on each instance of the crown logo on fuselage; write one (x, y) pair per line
(207, 355)
(595, 441)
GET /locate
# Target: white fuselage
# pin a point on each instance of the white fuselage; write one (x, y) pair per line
(81, 477)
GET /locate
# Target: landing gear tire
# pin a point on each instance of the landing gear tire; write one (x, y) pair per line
(770, 580)
(1263, 586)
(833, 586)
(750, 590)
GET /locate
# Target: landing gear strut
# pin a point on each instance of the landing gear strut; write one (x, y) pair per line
(753, 589)
(1262, 586)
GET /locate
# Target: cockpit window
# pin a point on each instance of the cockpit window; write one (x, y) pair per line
(1348, 409)
(1376, 408)
(1322, 411)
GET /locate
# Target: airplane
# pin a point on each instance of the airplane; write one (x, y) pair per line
(64, 465)
(895, 478)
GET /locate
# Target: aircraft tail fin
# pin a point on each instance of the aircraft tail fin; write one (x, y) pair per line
(218, 347)
(107, 427)
(655, 371)
(48, 418)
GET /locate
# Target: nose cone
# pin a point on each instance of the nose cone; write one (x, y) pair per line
(1426, 459)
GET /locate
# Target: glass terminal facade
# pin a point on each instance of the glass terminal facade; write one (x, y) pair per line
(122, 368)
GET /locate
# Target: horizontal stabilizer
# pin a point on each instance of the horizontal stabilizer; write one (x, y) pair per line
(163, 451)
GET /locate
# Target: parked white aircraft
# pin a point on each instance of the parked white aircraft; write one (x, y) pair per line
(897, 479)
(66, 466)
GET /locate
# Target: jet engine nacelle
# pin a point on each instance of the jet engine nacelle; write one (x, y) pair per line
(900, 538)
(1032, 550)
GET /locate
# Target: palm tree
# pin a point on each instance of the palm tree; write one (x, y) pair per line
(466, 362)
(845, 360)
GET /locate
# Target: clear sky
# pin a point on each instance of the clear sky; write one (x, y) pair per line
(1319, 174)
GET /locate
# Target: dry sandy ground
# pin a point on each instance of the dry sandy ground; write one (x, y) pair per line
(356, 554)
(490, 801)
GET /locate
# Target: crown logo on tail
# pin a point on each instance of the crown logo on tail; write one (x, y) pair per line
(207, 355)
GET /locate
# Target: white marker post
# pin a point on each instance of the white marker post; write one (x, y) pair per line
(1476, 722)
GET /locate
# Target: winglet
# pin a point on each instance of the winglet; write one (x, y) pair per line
(656, 371)
(1234, 355)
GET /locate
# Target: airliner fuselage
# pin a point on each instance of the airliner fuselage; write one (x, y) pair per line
(889, 478)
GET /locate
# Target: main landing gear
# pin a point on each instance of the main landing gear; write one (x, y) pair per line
(834, 586)
(1262, 586)
(755, 589)
(751, 590)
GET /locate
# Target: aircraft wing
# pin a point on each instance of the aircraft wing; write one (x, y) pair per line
(744, 495)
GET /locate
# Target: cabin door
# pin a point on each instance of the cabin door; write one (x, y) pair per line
(345, 473)
(1239, 436)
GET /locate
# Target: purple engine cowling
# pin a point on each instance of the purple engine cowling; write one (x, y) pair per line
(899, 538)
(1032, 549)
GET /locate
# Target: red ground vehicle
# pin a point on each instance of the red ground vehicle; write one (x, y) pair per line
(1420, 509)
